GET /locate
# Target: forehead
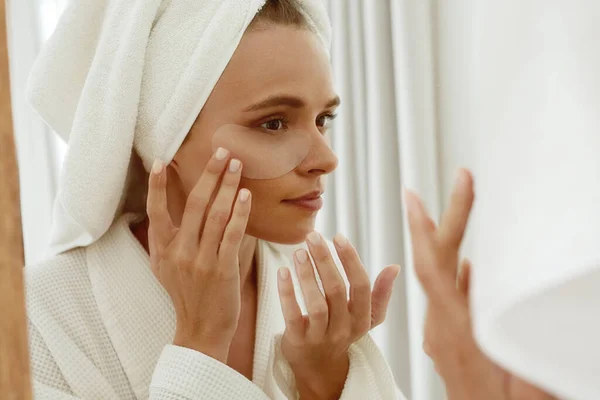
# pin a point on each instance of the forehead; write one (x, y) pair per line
(276, 59)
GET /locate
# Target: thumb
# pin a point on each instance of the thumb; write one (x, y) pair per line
(382, 293)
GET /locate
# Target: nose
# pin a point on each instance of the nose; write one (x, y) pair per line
(321, 159)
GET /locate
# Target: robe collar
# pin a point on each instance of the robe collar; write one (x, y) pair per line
(138, 313)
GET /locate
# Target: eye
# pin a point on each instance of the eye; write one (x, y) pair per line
(274, 124)
(323, 121)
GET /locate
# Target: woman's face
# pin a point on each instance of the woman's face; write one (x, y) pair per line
(277, 62)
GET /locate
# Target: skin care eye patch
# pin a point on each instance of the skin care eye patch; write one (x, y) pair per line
(265, 154)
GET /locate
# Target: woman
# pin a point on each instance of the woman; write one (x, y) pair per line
(180, 302)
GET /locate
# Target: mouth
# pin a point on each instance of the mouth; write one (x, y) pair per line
(311, 201)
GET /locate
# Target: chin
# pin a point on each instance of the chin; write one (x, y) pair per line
(288, 234)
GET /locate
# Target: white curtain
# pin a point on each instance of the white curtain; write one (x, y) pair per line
(39, 151)
(386, 67)
(385, 136)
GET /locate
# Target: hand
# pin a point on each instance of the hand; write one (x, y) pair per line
(449, 341)
(197, 262)
(316, 345)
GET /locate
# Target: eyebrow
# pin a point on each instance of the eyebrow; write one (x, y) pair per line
(285, 100)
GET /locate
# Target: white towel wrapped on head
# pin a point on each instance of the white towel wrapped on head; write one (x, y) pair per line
(119, 76)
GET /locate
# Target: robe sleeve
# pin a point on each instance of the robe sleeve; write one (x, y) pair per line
(182, 373)
(43, 369)
(369, 376)
(48, 382)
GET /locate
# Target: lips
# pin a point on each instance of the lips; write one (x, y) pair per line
(310, 202)
(309, 196)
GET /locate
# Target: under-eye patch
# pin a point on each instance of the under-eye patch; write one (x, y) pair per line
(265, 154)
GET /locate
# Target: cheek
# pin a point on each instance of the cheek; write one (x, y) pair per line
(266, 201)
(264, 156)
(194, 166)
(270, 219)
(265, 193)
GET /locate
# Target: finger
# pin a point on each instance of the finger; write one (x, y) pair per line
(423, 244)
(235, 230)
(455, 218)
(418, 215)
(454, 221)
(199, 198)
(156, 208)
(333, 283)
(220, 210)
(360, 285)
(464, 277)
(426, 349)
(152, 250)
(318, 312)
(294, 320)
(382, 293)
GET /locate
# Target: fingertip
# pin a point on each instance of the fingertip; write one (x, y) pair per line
(394, 273)
(235, 165)
(283, 274)
(406, 192)
(464, 177)
(411, 200)
(157, 167)
(313, 238)
(244, 195)
(221, 154)
(284, 282)
(418, 217)
(464, 183)
(301, 256)
(340, 241)
(390, 273)
(157, 177)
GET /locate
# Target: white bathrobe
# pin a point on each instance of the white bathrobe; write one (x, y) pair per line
(101, 327)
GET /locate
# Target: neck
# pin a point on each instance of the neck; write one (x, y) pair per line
(246, 254)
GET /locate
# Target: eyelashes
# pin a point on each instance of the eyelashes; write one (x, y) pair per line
(329, 117)
(274, 123)
(279, 123)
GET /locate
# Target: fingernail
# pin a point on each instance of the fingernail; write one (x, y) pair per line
(157, 167)
(244, 195)
(284, 274)
(234, 165)
(340, 240)
(221, 153)
(314, 237)
(301, 256)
